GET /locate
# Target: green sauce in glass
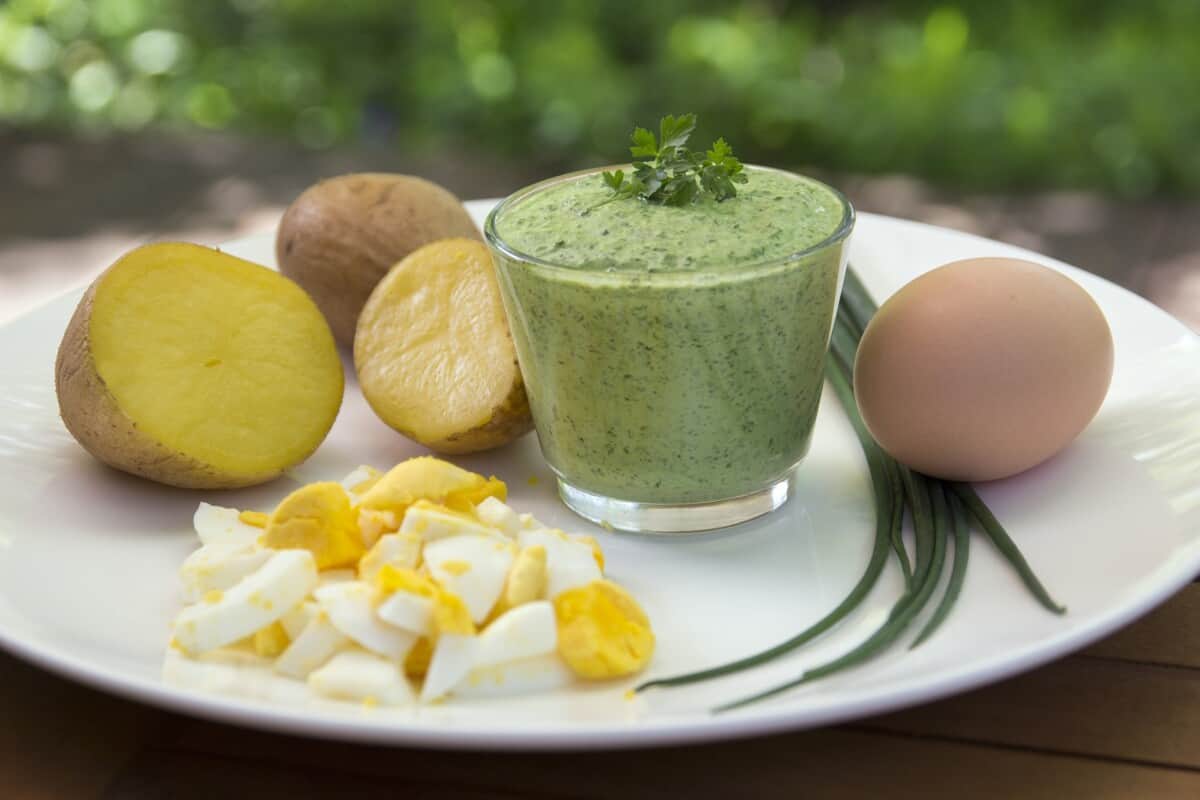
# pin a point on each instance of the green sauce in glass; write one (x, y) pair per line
(672, 355)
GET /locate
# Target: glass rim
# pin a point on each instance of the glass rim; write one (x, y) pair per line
(750, 268)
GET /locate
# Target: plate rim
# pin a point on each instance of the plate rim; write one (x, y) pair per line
(1168, 577)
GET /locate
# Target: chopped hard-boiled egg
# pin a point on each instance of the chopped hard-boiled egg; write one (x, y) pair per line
(398, 549)
(497, 514)
(259, 599)
(526, 580)
(219, 566)
(408, 611)
(360, 481)
(453, 658)
(315, 645)
(222, 526)
(602, 631)
(433, 480)
(430, 521)
(526, 631)
(569, 562)
(351, 609)
(271, 641)
(472, 567)
(297, 619)
(537, 674)
(361, 676)
(318, 518)
(373, 524)
(349, 590)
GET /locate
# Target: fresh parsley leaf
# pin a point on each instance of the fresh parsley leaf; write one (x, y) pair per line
(674, 131)
(644, 144)
(665, 171)
(614, 179)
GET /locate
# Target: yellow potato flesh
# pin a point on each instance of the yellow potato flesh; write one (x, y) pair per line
(215, 358)
(433, 352)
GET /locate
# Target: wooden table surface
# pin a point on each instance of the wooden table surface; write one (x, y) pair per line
(1118, 720)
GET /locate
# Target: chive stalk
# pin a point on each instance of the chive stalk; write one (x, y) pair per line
(1004, 543)
(938, 509)
(958, 569)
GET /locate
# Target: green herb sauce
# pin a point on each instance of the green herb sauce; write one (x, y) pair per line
(674, 355)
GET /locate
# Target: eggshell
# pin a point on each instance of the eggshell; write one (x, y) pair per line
(983, 368)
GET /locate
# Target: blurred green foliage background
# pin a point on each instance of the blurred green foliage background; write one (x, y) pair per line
(981, 94)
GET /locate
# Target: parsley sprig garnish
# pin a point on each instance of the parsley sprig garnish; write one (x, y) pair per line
(666, 172)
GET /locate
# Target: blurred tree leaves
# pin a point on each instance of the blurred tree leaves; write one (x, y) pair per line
(975, 93)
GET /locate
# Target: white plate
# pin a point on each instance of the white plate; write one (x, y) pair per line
(88, 556)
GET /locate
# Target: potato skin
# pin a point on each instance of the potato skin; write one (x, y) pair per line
(93, 417)
(510, 421)
(342, 235)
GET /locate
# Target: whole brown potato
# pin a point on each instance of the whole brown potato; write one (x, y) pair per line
(342, 235)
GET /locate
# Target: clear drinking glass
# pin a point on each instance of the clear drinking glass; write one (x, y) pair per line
(672, 401)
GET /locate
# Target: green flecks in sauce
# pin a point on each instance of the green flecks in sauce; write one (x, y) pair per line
(696, 386)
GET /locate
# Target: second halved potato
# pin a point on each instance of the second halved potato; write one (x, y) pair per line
(433, 352)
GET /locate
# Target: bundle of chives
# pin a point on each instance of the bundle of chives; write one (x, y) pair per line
(939, 510)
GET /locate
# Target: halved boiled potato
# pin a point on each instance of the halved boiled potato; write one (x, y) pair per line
(434, 355)
(193, 368)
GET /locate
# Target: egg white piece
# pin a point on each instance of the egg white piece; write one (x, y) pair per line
(361, 676)
(219, 566)
(453, 658)
(431, 524)
(312, 647)
(360, 475)
(523, 632)
(372, 524)
(500, 516)
(295, 621)
(487, 563)
(351, 609)
(401, 550)
(340, 575)
(220, 525)
(538, 674)
(528, 523)
(258, 600)
(409, 611)
(569, 562)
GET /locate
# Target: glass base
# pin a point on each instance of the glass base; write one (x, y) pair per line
(673, 519)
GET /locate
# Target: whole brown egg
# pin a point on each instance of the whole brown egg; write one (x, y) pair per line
(983, 368)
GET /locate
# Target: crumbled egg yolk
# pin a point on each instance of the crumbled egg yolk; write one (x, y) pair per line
(526, 579)
(602, 631)
(256, 519)
(450, 614)
(271, 641)
(213, 596)
(318, 518)
(416, 663)
(398, 549)
(456, 567)
(429, 478)
(400, 579)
